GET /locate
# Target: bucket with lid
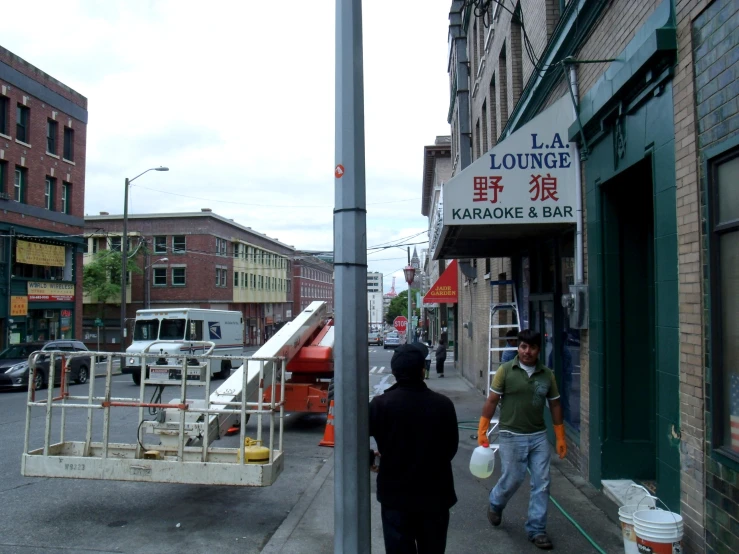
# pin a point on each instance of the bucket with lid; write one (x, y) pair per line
(658, 531)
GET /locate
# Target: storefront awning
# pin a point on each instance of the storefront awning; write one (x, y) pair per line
(522, 189)
(444, 290)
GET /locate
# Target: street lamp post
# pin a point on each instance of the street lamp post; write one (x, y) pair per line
(147, 277)
(410, 272)
(124, 252)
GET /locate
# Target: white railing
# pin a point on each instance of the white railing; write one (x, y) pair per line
(184, 426)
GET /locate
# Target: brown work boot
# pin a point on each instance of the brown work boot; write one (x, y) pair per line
(542, 541)
(494, 517)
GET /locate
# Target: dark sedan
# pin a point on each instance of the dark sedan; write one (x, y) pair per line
(14, 369)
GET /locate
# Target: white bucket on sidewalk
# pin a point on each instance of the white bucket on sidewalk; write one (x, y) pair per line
(658, 531)
(625, 516)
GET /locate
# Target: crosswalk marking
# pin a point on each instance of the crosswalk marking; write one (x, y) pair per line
(382, 370)
(373, 370)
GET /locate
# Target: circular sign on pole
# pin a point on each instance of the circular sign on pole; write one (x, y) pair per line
(400, 323)
(339, 171)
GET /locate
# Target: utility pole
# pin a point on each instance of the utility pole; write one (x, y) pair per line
(409, 325)
(351, 475)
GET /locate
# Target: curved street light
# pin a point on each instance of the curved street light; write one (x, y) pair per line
(124, 252)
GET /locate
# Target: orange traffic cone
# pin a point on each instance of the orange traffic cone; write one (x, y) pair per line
(328, 434)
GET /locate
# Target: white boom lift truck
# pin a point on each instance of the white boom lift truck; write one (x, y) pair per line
(184, 428)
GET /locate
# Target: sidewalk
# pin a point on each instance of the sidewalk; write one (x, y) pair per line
(309, 527)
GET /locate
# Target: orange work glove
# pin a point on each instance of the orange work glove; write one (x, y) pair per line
(482, 431)
(559, 432)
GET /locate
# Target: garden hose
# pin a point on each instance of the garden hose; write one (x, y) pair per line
(569, 518)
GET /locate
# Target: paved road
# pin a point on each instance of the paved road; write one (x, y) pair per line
(75, 516)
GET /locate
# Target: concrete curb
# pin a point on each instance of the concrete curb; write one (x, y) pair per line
(286, 529)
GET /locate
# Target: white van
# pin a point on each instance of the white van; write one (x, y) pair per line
(224, 328)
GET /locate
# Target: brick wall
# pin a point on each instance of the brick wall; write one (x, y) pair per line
(616, 27)
(38, 164)
(708, 74)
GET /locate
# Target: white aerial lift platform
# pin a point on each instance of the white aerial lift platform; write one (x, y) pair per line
(184, 428)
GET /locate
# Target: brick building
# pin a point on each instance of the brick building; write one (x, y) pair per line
(643, 94)
(313, 279)
(194, 260)
(43, 130)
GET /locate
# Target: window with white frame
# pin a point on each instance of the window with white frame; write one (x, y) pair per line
(178, 276)
(179, 245)
(160, 245)
(160, 276)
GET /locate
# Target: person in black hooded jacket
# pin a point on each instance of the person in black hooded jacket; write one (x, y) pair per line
(417, 438)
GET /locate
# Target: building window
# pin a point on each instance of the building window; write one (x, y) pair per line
(224, 277)
(49, 194)
(160, 276)
(115, 243)
(236, 279)
(160, 245)
(4, 107)
(236, 249)
(94, 245)
(22, 124)
(218, 276)
(51, 130)
(3, 177)
(724, 259)
(66, 197)
(68, 144)
(178, 276)
(179, 245)
(221, 247)
(19, 185)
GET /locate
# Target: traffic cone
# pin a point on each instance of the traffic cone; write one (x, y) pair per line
(328, 434)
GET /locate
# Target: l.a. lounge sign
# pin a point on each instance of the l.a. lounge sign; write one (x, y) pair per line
(527, 178)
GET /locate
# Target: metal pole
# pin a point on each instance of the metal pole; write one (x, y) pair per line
(409, 325)
(351, 474)
(124, 268)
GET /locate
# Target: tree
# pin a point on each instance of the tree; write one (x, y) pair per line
(101, 278)
(399, 306)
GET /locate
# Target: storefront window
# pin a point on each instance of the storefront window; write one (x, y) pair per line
(570, 382)
(724, 244)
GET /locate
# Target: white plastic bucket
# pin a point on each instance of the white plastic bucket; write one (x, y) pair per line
(658, 531)
(625, 514)
(482, 462)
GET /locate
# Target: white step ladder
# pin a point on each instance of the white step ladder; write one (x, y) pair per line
(495, 338)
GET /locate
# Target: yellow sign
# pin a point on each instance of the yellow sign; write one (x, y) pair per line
(50, 292)
(35, 253)
(19, 305)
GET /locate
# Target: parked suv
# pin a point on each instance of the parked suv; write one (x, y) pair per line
(14, 363)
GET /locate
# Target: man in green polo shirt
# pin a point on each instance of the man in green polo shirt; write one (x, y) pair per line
(525, 385)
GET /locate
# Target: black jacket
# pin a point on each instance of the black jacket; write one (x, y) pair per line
(440, 353)
(417, 437)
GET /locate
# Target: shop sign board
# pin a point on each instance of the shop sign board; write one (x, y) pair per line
(527, 178)
(36, 253)
(50, 292)
(18, 306)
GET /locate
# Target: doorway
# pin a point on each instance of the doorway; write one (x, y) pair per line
(629, 392)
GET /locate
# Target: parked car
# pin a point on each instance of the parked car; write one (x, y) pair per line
(374, 338)
(14, 369)
(392, 340)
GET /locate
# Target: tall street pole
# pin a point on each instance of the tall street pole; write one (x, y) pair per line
(351, 473)
(409, 325)
(124, 260)
(124, 252)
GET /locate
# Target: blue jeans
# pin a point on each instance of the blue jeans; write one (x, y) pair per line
(517, 452)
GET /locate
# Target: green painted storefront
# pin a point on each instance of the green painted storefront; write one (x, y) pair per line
(629, 175)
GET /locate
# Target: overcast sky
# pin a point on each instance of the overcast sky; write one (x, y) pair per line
(237, 99)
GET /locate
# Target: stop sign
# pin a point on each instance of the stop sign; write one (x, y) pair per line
(400, 323)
